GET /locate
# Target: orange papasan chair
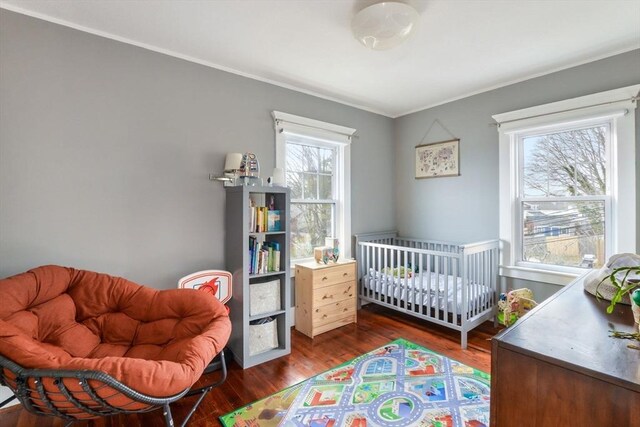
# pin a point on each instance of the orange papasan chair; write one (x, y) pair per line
(77, 344)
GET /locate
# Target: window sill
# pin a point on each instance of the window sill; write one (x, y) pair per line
(538, 275)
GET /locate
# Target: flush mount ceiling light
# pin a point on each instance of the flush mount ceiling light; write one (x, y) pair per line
(384, 25)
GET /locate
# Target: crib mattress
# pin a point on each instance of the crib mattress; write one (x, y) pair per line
(432, 288)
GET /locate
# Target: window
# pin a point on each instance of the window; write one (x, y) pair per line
(309, 174)
(567, 185)
(315, 159)
(563, 196)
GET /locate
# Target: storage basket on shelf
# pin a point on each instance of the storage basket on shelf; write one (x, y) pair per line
(264, 297)
(263, 335)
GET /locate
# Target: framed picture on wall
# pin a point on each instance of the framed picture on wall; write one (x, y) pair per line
(438, 159)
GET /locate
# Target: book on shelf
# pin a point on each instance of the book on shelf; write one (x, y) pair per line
(261, 219)
(264, 257)
(273, 220)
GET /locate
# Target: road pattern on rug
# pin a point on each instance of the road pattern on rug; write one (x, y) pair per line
(399, 384)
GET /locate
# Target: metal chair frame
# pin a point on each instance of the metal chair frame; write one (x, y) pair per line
(99, 406)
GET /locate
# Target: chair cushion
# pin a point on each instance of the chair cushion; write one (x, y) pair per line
(157, 342)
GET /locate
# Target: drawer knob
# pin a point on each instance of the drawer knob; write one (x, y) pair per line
(327, 296)
(324, 278)
(344, 274)
(324, 317)
(345, 309)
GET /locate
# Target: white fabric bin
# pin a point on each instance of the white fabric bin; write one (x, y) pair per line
(264, 297)
(263, 337)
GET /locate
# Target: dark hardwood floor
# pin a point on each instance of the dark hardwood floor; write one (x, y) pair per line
(376, 326)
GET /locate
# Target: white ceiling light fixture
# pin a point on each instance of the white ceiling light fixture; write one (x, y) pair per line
(384, 25)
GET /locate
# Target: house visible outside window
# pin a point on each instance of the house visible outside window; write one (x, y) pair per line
(567, 185)
(315, 157)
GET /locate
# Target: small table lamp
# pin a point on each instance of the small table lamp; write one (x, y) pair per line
(231, 170)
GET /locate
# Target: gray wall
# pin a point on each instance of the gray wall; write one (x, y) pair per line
(465, 208)
(105, 151)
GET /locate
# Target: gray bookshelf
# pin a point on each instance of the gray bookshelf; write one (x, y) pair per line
(238, 260)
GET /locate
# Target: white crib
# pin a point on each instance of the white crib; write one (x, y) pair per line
(446, 283)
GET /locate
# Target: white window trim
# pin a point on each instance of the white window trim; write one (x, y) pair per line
(331, 135)
(619, 106)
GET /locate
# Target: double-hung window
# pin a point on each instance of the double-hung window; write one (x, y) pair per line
(564, 201)
(567, 185)
(315, 158)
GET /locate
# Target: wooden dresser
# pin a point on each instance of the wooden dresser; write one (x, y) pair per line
(557, 366)
(325, 296)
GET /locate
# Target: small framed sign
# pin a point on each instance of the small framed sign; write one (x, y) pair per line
(438, 159)
(216, 282)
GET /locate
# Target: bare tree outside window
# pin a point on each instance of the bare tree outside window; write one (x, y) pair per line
(564, 186)
(310, 176)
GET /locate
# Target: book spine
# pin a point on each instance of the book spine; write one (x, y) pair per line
(251, 254)
(264, 218)
(252, 221)
(263, 258)
(276, 257)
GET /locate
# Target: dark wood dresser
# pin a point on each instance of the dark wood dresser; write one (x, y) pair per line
(557, 366)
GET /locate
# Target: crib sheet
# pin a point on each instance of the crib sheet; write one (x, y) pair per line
(476, 293)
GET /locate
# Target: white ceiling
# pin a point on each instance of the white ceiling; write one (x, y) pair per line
(461, 47)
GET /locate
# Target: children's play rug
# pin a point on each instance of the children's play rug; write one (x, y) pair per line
(400, 384)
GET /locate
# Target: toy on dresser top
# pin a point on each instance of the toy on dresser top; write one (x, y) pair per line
(329, 252)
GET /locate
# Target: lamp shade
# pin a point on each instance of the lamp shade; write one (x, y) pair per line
(384, 25)
(232, 162)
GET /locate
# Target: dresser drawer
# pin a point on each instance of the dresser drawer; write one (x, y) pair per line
(334, 293)
(331, 276)
(331, 312)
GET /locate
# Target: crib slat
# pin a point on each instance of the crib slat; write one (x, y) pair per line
(445, 301)
(470, 271)
(370, 263)
(429, 291)
(478, 300)
(476, 273)
(456, 274)
(474, 281)
(375, 289)
(485, 279)
(475, 288)
(390, 292)
(405, 280)
(367, 290)
(400, 286)
(361, 265)
(436, 261)
(417, 292)
(388, 253)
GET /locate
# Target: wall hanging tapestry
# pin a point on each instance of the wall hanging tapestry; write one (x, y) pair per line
(399, 384)
(438, 159)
